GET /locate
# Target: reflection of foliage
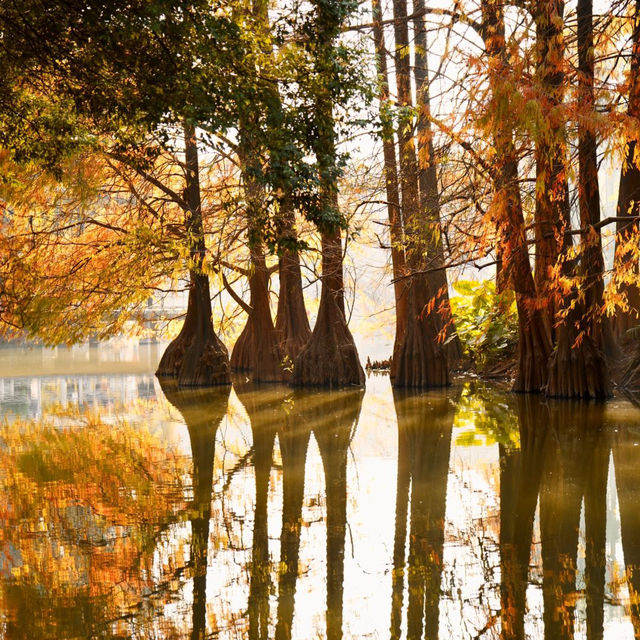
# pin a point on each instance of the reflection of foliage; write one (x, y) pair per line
(485, 416)
(82, 510)
(486, 321)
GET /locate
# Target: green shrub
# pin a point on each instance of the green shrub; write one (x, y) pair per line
(486, 322)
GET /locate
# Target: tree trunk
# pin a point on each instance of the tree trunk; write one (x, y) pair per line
(258, 349)
(534, 340)
(330, 358)
(292, 323)
(196, 357)
(396, 234)
(578, 369)
(429, 190)
(629, 199)
(419, 360)
(551, 211)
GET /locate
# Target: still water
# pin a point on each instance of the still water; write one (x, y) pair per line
(131, 509)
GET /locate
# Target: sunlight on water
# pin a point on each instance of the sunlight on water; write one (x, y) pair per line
(132, 509)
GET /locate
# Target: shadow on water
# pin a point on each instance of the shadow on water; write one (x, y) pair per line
(561, 466)
(333, 418)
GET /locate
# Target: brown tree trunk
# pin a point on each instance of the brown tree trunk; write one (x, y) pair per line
(629, 198)
(396, 234)
(551, 211)
(534, 341)
(258, 349)
(579, 369)
(330, 358)
(202, 413)
(196, 357)
(419, 359)
(429, 190)
(292, 323)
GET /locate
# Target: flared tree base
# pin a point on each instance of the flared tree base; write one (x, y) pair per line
(534, 350)
(262, 359)
(242, 352)
(577, 371)
(419, 359)
(196, 360)
(330, 358)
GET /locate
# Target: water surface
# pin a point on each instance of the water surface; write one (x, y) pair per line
(132, 509)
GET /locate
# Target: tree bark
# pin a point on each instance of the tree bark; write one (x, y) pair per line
(330, 358)
(534, 340)
(258, 349)
(396, 234)
(588, 188)
(629, 199)
(552, 203)
(428, 184)
(196, 357)
(419, 359)
(292, 323)
(577, 368)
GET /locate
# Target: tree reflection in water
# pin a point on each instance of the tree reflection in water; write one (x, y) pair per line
(425, 422)
(202, 410)
(105, 531)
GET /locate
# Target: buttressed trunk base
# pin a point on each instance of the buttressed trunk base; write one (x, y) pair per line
(196, 356)
(330, 358)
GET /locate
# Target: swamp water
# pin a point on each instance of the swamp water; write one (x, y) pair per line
(132, 509)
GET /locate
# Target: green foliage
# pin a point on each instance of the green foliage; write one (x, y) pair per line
(484, 415)
(486, 321)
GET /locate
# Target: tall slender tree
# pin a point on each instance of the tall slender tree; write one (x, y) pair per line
(534, 336)
(330, 357)
(419, 359)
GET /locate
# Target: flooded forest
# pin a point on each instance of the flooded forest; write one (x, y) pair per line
(320, 319)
